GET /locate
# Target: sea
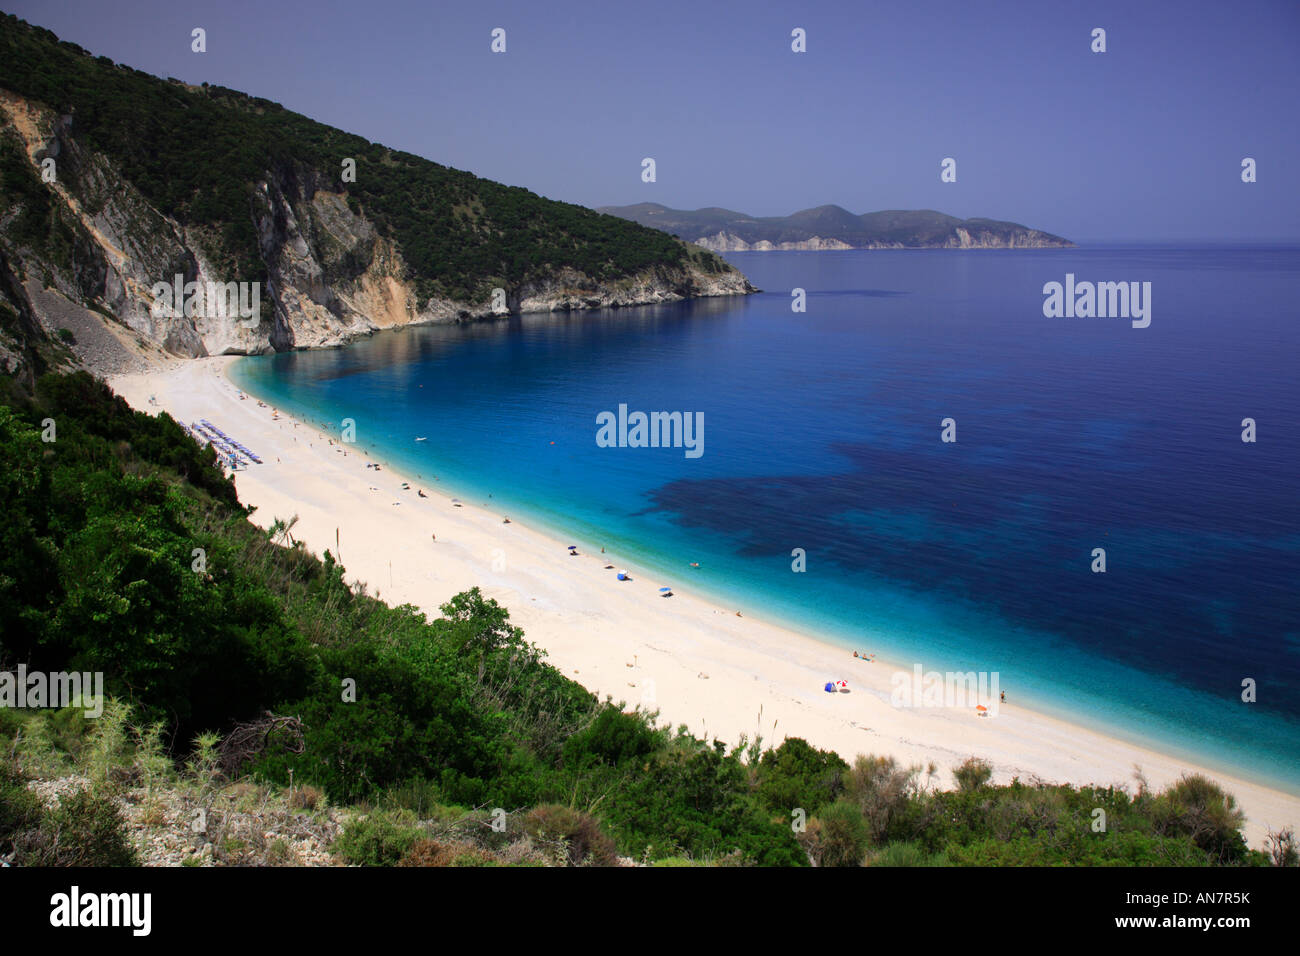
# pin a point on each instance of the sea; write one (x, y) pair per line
(822, 494)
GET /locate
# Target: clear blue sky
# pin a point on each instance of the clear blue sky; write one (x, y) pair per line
(1143, 141)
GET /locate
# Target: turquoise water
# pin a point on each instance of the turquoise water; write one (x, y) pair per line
(822, 432)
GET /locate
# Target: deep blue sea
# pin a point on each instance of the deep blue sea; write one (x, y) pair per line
(822, 432)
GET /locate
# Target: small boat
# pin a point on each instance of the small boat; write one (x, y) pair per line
(422, 439)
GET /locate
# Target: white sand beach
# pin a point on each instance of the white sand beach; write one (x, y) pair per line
(699, 664)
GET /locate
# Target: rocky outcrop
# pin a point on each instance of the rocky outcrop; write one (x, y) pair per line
(959, 239)
(330, 276)
(988, 239)
(726, 242)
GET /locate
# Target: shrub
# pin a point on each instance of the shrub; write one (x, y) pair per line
(839, 835)
(572, 833)
(798, 775)
(1197, 807)
(902, 854)
(611, 738)
(454, 853)
(85, 830)
(306, 797)
(1281, 847)
(381, 838)
(973, 774)
(881, 790)
(20, 809)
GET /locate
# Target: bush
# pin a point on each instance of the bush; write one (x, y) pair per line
(455, 853)
(904, 854)
(572, 833)
(85, 830)
(611, 738)
(381, 838)
(798, 775)
(20, 809)
(973, 774)
(1197, 807)
(838, 836)
(881, 789)
(306, 797)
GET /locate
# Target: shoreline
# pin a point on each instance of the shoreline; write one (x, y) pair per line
(697, 662)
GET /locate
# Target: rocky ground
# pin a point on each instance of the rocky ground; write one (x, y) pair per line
(242, 825)
(98, 343)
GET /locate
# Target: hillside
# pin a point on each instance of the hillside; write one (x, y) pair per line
(833, 227)
(228, 742)
(115, 180)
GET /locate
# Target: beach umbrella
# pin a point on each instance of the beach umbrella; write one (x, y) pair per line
(573, 547)
(841, 685)
(661, 590)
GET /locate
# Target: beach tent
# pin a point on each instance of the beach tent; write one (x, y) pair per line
(830, 688)
(622, 575)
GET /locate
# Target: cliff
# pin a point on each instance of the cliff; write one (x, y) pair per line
(102, 202)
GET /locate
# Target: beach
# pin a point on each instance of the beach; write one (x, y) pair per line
(698, 663)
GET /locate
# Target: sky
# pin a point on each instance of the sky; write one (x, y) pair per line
(1143, 141)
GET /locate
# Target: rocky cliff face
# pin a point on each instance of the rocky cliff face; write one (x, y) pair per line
(331, 276)
(726, 242)
(959, 238)
(986, 239)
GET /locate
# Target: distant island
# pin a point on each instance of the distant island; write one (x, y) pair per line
(833, 227)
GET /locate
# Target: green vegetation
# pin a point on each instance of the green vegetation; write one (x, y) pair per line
(198, 153)
(417, 729)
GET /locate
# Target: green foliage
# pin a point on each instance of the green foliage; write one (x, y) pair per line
(695, 799)
(85, 830)
(20, 808)
(380, 838)
(1198, 808)
(839, 835)
(973, 774)
(798, 775)
(882, 790)
(612, 738)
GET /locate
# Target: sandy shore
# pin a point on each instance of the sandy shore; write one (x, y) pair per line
(699, 664)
